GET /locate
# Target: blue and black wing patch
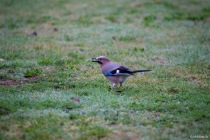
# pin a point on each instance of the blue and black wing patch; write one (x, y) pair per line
(124, 71)
(119, 71)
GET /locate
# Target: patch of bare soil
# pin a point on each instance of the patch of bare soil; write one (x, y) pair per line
(9, 83)
(193, 77)
(13, 83)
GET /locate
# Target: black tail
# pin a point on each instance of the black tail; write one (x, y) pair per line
(135, 71)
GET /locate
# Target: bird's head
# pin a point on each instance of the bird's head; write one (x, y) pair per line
(101, 60)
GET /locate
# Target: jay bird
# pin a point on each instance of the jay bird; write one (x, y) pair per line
(113, 71)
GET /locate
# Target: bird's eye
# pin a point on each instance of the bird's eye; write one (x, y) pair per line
(99, 59)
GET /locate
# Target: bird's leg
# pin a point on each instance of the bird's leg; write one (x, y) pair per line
(113, 85)
(118, 88)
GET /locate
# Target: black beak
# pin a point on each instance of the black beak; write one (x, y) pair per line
(94, 60)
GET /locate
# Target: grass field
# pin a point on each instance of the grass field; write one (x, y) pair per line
(50, 89)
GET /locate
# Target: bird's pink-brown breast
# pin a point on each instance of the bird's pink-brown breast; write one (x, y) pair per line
(110, 66)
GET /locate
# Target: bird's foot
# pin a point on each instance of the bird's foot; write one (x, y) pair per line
(118, 90)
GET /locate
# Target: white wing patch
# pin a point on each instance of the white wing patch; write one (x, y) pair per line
(117, 71)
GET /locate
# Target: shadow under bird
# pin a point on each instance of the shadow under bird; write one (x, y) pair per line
(114, 72)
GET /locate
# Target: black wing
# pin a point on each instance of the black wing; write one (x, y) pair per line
(121, 71)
